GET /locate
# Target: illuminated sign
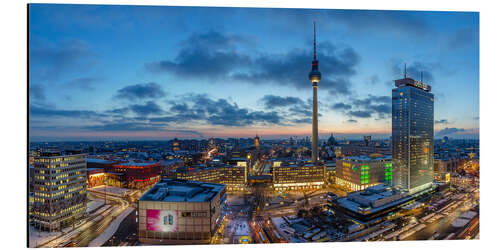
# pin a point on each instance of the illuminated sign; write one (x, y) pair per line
(346, 164)
(244, 239)
(447, 177)
(162, 220)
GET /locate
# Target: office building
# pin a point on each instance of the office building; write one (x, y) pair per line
(59, 190)
(297, 176)
(233, 176)
(412, 135)
(181, 212)
(359, 172)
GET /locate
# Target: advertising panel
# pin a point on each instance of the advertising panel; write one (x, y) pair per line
(161, 220)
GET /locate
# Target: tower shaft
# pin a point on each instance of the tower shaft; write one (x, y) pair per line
(314, 142)
(314, 78)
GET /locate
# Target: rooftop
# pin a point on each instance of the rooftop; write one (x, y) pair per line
(98, 161)
(368, 158)
(137, 164)
(366, 198)
(413, 83)
(174, 190)
(201, 167)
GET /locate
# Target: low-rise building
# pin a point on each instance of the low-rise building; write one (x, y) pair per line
(374, 203)
(297, 176)
(443, 166)
(359, 172)
(138, 174)
(181, 212)
(234, 176)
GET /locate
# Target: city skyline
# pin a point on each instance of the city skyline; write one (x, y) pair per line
(213, 76)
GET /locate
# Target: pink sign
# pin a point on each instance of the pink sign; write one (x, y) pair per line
(161, 220)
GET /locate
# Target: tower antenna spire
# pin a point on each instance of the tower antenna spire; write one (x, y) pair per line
(314, 24)
(421, 76)
(405, 70)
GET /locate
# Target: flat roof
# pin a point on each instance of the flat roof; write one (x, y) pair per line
(175, 190)
(93, 169)
(371, 194)
(353, 206)
(367, 158)
(101, 161)
(137, 164)
(204, 167)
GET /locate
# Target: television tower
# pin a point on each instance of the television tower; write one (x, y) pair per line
(315, 77)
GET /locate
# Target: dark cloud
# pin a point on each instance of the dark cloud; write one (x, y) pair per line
(341, 106)
(273, 101)
(352, 121)
(221, 112)
(202, 109)
(139, 126)
(379, 106)
(141, 91)
(292, 68)
(48, 61)
(442, 121)
(208, 55)
(149, 108)
(85, 83)
(360, 113)
(119, 111)
(38, 111)
(297, 109)
(122, 126)
(449, 131)
(214, 40)
(213, 56)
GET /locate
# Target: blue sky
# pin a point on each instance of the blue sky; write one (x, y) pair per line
(139, 72)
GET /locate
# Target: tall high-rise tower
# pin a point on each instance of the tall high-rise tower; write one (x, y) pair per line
(412, 135)
(314, 77)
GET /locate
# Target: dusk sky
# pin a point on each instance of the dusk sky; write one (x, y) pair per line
(100, 72)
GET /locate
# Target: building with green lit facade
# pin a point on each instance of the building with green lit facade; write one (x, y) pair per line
(359, 172)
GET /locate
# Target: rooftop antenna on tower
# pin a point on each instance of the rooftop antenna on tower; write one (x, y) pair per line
(422, 76)
(314, 24)
(405, 70)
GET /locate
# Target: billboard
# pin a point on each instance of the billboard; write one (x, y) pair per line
(162, 220)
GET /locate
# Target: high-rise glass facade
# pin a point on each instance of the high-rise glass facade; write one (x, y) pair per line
(412, 135)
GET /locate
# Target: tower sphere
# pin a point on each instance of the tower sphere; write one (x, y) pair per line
(314, 75)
